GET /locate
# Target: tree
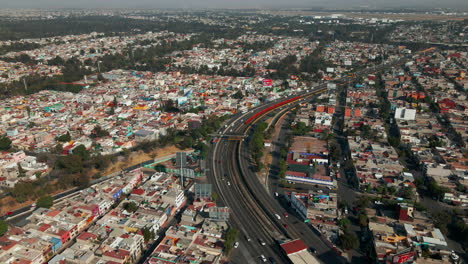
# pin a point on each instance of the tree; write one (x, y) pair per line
(5, 143)
(147, 234)
(160, 168)
(71, 163)
(45, 201)
(231, 237)
(300, 129)
(130, 207)
(349, 240)
(64, 138)
(344, 223)
(214, 196)
(99, 132)
(362, 202)
(238, 95)
(3, 227)
(20, 169)
(58, 149)
(82, 152)
(187, 142)
(22, 191)
(362, 219)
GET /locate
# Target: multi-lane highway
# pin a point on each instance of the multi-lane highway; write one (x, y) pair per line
(257, 214)
(253, 210)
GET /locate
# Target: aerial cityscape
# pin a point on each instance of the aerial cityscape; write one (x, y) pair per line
(162, 132)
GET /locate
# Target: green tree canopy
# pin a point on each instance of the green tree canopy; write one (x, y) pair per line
(64, 138)
(5, 143)
(187, 142)
(147, 234)
(214, 196)
(99, 132)
(231, 237)
(82, 152)
(362, 219)
(349, 240)
(238, 95)
(70, 163)
(3, 227)
(45, 201)
(130, 207)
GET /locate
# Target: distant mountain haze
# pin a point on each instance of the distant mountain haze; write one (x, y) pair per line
(335, 4)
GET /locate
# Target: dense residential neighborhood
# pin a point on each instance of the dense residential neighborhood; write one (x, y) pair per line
(222, 136)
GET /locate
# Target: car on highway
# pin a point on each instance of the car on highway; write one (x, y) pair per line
(313, 250)
(285, 214)
(263, 258)
(8, 213)
(285, 225)
(272, 260)
(248, 238)
(236, 245)
(261, 242)
(229, 183)
(277, 216)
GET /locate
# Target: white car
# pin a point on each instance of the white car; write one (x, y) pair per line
(229, 184)
(277, 216)
(236, 245)
(263, 258)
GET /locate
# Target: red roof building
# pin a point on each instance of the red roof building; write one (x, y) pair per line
(293, 246)
(138, 191)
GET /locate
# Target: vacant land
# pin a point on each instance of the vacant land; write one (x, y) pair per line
(8, 203)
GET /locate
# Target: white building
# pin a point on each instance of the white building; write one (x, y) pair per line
(403, 113)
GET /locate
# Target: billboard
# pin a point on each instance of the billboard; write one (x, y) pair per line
(219, 213)
(202, 190)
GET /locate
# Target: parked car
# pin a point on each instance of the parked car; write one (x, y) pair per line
(236, 245)
(263, 258)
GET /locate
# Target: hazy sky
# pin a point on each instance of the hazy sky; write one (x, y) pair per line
(229, 3)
